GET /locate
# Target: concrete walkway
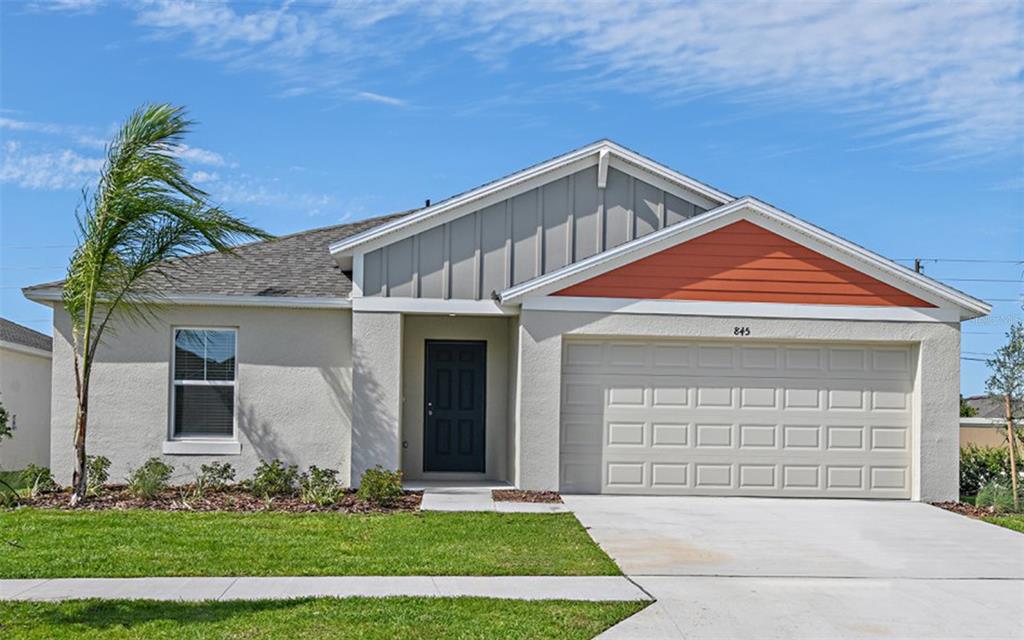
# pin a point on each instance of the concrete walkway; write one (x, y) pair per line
(592, 588)
(474, 496)
(791, 568)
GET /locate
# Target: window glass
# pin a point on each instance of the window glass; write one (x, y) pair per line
(204, 382)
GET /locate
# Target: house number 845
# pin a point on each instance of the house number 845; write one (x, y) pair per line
(741, 331)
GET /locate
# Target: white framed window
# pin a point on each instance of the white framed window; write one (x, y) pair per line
(203, 394)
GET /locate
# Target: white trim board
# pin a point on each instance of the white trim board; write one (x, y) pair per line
(27, 350)
(46, 296)
(772, 219)
(680, 185)
(432, 306)
(739, 309)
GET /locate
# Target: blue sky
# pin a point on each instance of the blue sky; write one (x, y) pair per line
(898, 126)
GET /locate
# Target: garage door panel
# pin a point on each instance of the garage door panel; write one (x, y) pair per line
(744, 424)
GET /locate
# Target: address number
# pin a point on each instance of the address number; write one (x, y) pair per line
(741, 331)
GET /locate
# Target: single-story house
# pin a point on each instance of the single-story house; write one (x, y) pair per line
(25, 357)
(987, 428)
(594, 323)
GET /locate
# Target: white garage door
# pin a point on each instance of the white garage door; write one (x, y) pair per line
(687, 418)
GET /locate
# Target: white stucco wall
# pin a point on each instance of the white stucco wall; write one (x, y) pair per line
(376, 391)
(293, 387)
(417, 330)
(936, 442)
(25, 393)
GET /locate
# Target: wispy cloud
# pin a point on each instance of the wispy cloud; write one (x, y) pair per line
(934, 74)
(382, 99)
(200, 156)
(64, 169)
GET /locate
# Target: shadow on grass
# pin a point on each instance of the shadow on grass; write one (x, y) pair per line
(126, 614)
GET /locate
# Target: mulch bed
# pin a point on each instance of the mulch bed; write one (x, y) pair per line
(234, 499)
(965, 509)
(516, 495)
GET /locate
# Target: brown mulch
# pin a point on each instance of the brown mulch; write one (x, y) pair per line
(516, 495)
(965, 509)
(234, 499)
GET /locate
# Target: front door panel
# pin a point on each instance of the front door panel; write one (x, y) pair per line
(453, 417)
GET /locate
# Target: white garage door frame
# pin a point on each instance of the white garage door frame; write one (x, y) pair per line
(739, 417)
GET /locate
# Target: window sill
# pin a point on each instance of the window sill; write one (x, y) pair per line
(202, 447)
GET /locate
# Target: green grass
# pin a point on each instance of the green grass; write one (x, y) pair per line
(1014, 521)
(67, 544)
(384, 618)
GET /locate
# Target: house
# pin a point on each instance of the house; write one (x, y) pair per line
(594, 323)
(987, 428)
(25, 394)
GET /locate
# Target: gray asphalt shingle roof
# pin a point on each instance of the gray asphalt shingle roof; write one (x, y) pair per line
(296, 265)
(18, 334)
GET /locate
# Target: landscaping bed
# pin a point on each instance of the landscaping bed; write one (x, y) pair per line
(235, 499)
(329, 618)
(517, 495)
(1012, 521)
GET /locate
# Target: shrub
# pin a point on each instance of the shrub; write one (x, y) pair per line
(320, 487)
(150, 479)
(214, 476)
(97, 472)
(995, 495)
(381, 486)
(980, 466)
(38, 480)
(274, 478)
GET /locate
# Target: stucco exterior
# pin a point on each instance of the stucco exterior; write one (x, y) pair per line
(416, 331)
(376, 391)
(25, 393)
(935, 439)
(293, 390)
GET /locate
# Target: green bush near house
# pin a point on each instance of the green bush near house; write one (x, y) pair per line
(320, 487)
(150, 479)
(37, 480)
(380, 486)
(273, 478)
(996, 495)
(97, 473)
(980, 466)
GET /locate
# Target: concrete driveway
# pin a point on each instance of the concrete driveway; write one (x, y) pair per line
(772, 568)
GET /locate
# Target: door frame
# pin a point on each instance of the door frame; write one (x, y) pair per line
(426, 398)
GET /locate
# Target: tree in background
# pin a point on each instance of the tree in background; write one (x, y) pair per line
(966, 410)
(1007, 381)
(143, 213)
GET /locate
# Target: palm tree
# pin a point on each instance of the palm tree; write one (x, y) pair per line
(143, 213)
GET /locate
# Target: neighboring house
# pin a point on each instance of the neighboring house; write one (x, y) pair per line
(25, 357)
(988, 427)
(594, 323)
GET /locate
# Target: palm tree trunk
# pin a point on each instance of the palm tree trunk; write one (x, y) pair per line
(1011, 440)
(79, 481)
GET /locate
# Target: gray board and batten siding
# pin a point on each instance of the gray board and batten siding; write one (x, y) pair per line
(517, 239)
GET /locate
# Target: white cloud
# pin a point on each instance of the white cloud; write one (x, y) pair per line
(62, 169)
(382, 99)
(946, 75)
(248, 191)
(200, 156)
(203, 177)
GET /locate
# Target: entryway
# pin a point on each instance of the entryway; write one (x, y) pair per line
(455, 404)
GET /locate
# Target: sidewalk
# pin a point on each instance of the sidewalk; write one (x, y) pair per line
(592, 588)
(474, 496)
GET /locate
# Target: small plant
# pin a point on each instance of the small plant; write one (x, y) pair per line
(380, 486)
(98, 472)
(320, 487)
(38, 480)
(214, 477)
(150, 479)
(996, 496)
(273, 478)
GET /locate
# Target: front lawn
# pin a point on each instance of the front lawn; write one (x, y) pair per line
(384, 618)
(1014, 521)
(66, 544)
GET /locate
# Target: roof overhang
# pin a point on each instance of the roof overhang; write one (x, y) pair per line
(776, 220)
(25, 349)
(602, 154)
(52, 295)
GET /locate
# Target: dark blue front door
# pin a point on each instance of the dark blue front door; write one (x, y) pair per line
(453, 418)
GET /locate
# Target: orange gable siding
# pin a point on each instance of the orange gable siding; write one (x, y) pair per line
(743, 262)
